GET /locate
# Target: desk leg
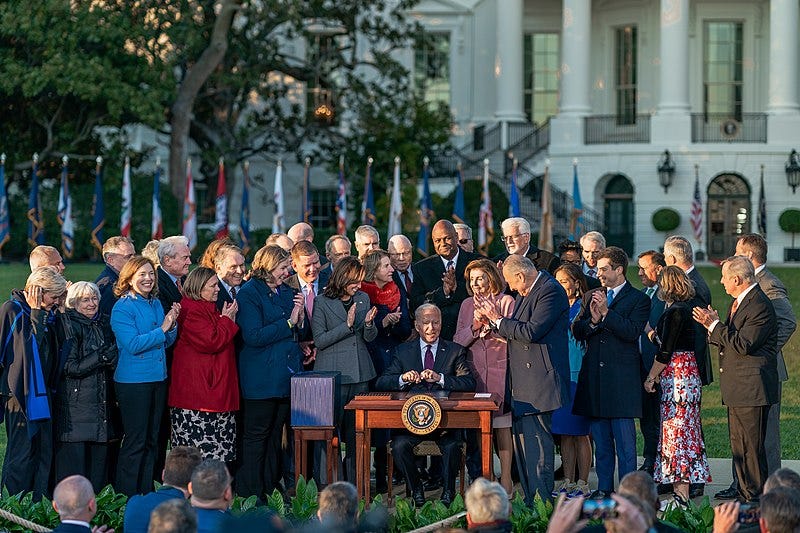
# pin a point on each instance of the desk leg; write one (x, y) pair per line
(486, 444)
(361, 475)
(298, 456)
(367, 463)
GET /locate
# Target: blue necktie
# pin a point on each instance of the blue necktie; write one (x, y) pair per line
(610, 297)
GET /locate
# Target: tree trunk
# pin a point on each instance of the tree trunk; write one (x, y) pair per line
(193, 81)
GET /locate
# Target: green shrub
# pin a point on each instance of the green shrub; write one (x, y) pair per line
(666, 219)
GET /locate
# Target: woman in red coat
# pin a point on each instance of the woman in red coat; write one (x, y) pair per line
(204, 387)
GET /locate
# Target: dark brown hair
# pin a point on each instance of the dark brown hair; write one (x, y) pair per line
(133, 264)
(181, 462)
(195, 282)
(576, 274)
(348, 270)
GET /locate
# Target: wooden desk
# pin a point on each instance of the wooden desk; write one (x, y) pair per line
(382, 411)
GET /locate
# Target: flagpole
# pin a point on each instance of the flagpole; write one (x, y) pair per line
(5, 227)
(305, 216)
(98, 208)
(341, 201)
(244, 214)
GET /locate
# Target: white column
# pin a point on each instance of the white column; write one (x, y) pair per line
(575, 57)
(508, 67)
(783, 57)
(674, 96)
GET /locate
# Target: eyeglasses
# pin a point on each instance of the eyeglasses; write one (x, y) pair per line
(509, 238)
(464, 241)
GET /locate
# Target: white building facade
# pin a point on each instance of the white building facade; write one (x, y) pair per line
(615, 83)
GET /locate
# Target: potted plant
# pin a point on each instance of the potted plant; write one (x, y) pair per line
(789, 221)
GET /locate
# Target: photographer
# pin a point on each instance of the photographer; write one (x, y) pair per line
(567, 516)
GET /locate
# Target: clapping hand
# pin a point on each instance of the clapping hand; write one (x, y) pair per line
(489, 310)
(705, 316)
(371, 315)
(449, 281)
(598, 306)
(351, 315)
(392, 318)
(171, 317)
(296, 315)
(229, 310)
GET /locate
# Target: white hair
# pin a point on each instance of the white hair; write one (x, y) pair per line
(594, 236)
(78, 290)
(363, 231)
(515, 222)
(167, 246)
(681, 248)
(465, 228)
(486, 501)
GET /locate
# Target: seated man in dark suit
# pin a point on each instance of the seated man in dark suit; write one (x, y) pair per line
(73, 500)
(212, 495)
(422, 365)
(180, 464)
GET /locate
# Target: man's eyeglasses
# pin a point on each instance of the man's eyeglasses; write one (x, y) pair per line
(509, 238)
(464, 241)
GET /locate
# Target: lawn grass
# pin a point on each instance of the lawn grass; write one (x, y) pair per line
(715, 423)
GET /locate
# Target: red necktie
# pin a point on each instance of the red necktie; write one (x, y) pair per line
(179, 284)
(408, 281)
(734, 307)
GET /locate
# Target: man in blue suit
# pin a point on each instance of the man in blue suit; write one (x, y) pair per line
(178, 467)
(212, 495)
(650, 264)
(538, 356)
(609, 385)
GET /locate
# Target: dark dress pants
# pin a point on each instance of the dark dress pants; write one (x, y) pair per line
(347, 426)
(88, 459)
(650, 423)
(141, 408)
(449, 442)
(28, 459)
(262, 429)
(535, 453)
(748, 429)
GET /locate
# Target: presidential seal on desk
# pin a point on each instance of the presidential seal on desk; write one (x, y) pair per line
(421, 414)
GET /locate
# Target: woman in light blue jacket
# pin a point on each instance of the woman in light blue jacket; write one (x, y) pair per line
(143, 332)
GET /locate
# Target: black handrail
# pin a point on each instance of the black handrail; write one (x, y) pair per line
(616, 129)
(721, 128)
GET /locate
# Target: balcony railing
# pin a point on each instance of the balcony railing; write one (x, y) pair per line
(749, 128)
(607, 129)
(536, 139)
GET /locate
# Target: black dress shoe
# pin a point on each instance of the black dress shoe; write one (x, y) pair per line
(432, 483)
(727, 494)
(418, 495)
(648, 466)
(664, 488)
(447, 497)
(696, 489)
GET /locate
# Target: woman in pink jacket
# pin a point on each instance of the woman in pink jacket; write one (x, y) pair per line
(487, 355)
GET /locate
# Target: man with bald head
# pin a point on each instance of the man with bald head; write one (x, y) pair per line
(400, 254)
(73, 500)
(439, 279)
(301, 232)
(280, 239)
(43, 256)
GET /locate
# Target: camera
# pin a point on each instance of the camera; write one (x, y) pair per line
(749, 513)
(599, 509)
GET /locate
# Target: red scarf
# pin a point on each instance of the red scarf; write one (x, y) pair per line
(389, 295)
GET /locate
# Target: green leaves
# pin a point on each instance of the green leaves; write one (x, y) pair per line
(695, 519)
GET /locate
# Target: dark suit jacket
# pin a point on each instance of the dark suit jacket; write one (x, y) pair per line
(702, 298)
(168, 292)
(592, 283)
(322, 280)
(105, 282)
(748, 349)
(427, 287)
(401, 284)
(648, 348)
(542, 259)
(609, 384)
(450, 360)
(787, 323)
(72, 528)
(224, 296)
(538, 349)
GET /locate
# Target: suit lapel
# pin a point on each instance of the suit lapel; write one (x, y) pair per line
(440, 358)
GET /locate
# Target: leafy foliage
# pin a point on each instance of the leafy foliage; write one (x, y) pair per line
(695, 519)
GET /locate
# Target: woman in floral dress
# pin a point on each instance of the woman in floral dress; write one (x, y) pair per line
(681, 458)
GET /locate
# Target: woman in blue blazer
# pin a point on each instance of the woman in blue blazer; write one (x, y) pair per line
(270, 319)
(143, 333)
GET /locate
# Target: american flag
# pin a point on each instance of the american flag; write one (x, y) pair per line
(697, 210)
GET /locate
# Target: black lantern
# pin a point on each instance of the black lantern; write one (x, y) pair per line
(793, 170)
(666, 170)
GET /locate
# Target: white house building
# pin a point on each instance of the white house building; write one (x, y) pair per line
(615, 83)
